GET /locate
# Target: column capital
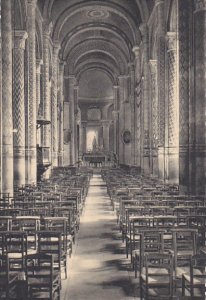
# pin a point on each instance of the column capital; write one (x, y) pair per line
(200, 5)
(20, 37)
(32, 2)
(153, 65)
(122, 77)
(136, 50)
(158, 2)
(143, 29)
(171, 38)
(47, 27)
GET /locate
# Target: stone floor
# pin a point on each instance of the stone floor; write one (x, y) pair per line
(98, 269)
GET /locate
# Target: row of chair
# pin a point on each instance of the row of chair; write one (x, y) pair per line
(37, 229)
(164, 234)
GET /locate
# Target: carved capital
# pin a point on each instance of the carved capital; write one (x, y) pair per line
(144, 32)
(19, 39)
(171, 39)
(136, 50)
(153, 66)
(158, 2)
(32, 2)
(200, 5)
(47, 27)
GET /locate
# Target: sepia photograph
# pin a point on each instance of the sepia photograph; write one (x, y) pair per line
(103, 149)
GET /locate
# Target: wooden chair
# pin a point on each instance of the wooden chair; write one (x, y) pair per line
(15, 245)
(50, 242)
(8, 279)
(151, 241)
(184, 246)
(156, 276)
(194, 280)
(43, 282)
(30, 225)
(59, 224)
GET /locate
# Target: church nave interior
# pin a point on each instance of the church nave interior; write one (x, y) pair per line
(102, 149)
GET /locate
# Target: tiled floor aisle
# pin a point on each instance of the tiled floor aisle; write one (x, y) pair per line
(98, 269)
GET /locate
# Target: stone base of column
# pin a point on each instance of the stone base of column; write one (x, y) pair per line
(155, 162)
(31, 165)
(66, 157)
(184, 178)
(161, 163)
(19, 166)
(7, 168)
(146, 161)
(60, 159)
(172, 165)
(199, 172)
(47, 174)
(55, 159)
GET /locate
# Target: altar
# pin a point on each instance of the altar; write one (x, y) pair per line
(93, 159)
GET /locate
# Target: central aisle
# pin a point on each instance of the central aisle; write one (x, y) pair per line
(98, 269)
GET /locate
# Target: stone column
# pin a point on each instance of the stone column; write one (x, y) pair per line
(172, 155)
(54, 123)
(72, 82)
(115, 118)
(7, 122)
(161, 48)
(38, 96)
(186, 181)
(60, 113)
(133, 112)
(106, 125)
(31, 153)
(0, 103)
(84, 136)
(76, 150)
(200, 94)
(145, 99)
(18, 108)
(121, 117)
(116, 130)
(46, 90)
(137, 138)
(154, 117)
